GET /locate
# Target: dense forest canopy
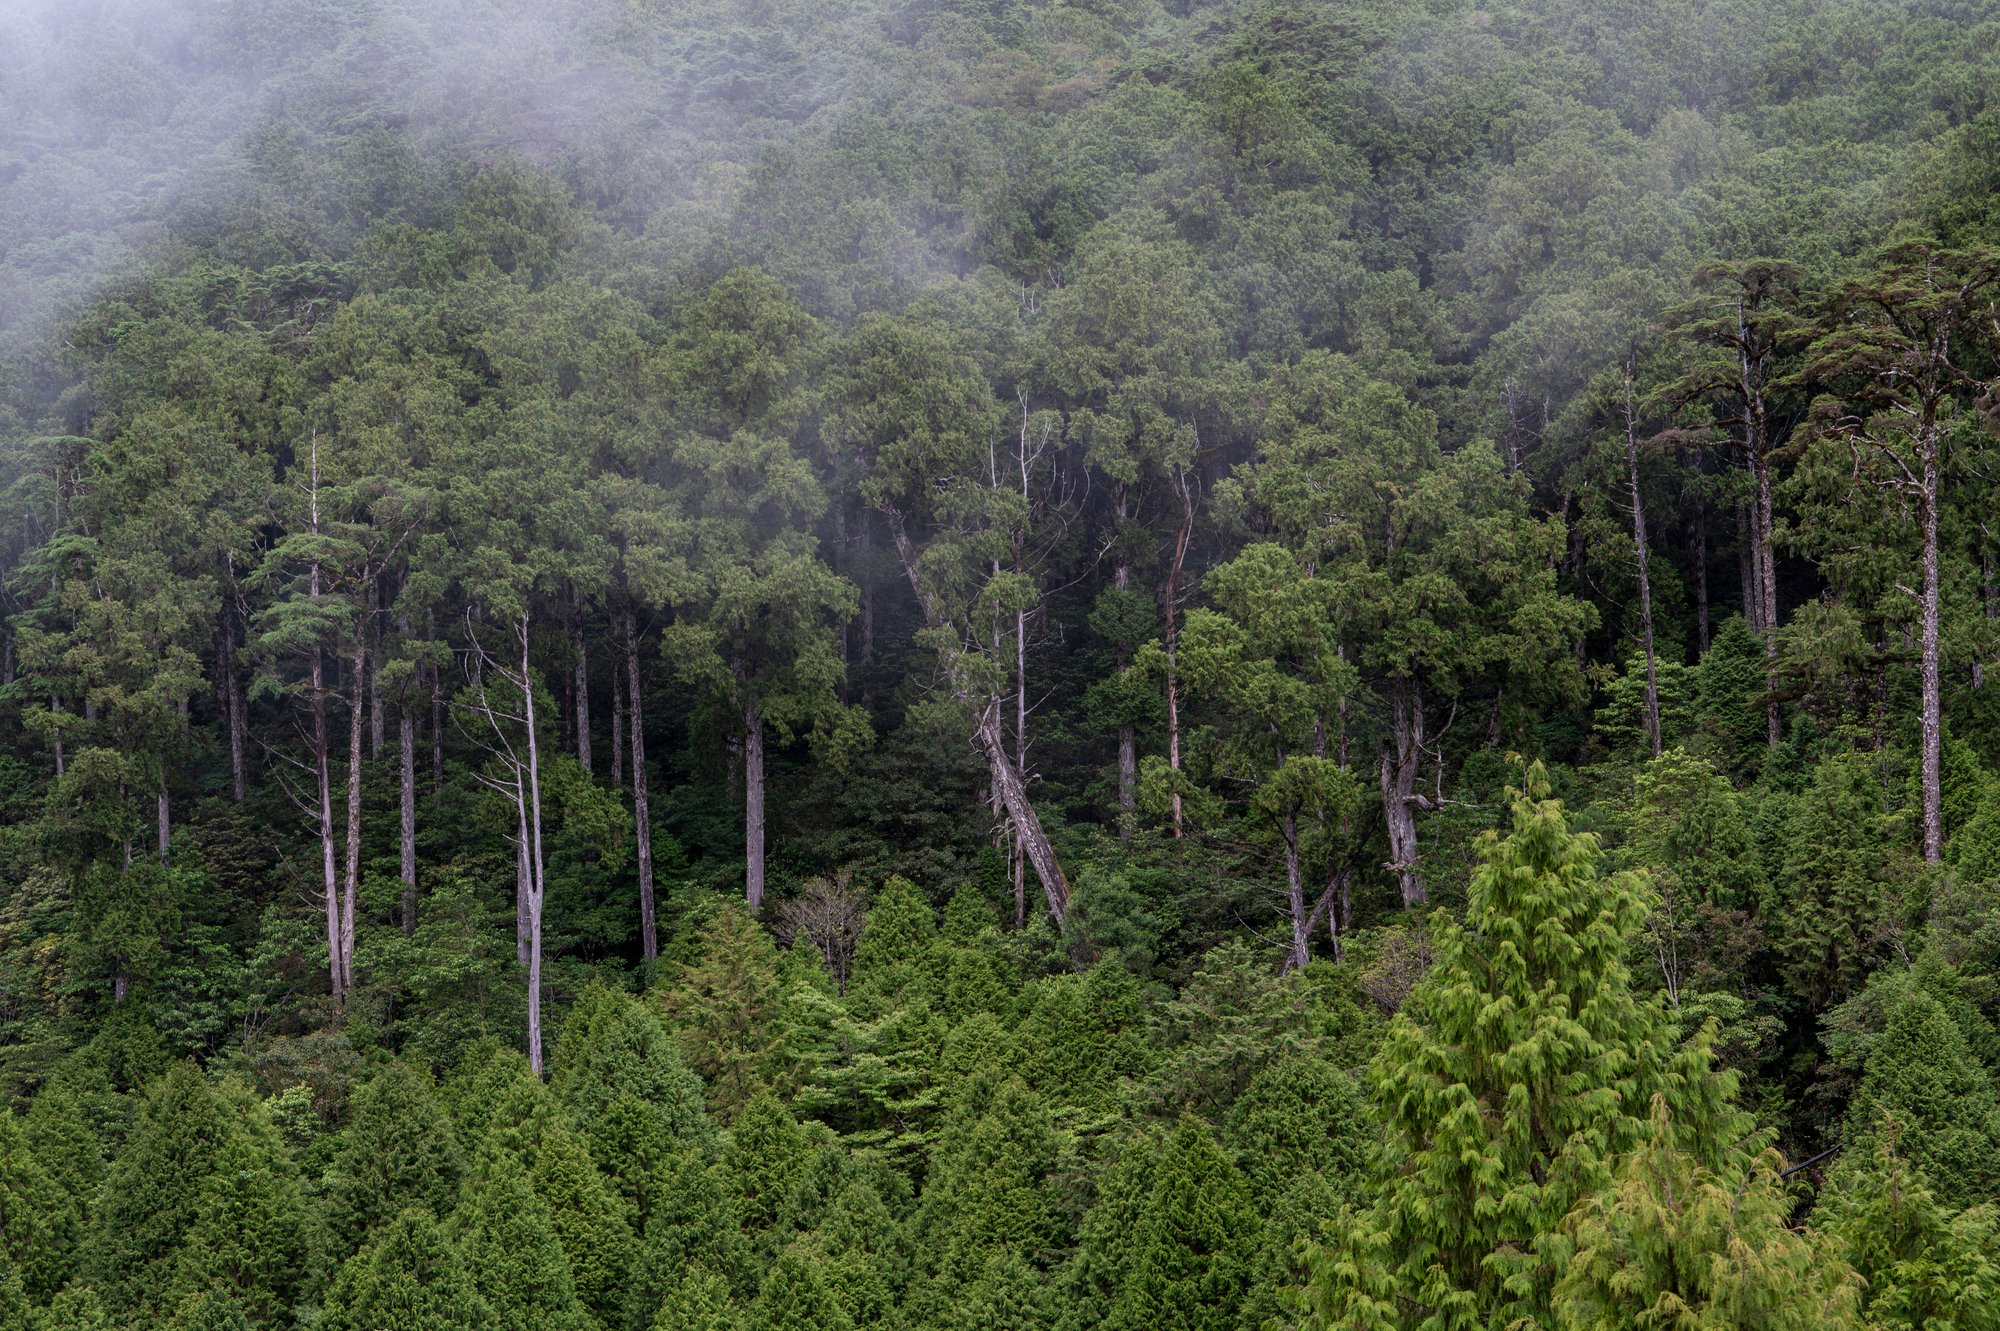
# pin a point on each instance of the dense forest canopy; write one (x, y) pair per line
(735, 665)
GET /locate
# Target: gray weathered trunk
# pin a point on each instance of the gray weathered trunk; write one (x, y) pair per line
(753, 807)
(406, 770)
(641, 816)
(1402, 759)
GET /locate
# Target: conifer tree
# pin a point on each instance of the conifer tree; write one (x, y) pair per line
(1519, 1069)
(692, 1222)
(1673, 1243)
(1922, 1267)
(896, 938)
(588, 1223)
(1823, 910)
(722, 1008)
(1096, 1274)
(151, 1199)
(38, 1223)
(208, 1311)
(506, 1236)
(1192, 1246)
(409, 1278)
(398, 1153)
(64, 1144)
(1924, 1086)
(614, 1046)
(795, 1297)
(250, 1236)
(700, 1302)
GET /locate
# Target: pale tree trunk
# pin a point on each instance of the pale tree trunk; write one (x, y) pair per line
(1013, 794)
(374, 639)
(1400, 768)
(329, 868)
(524, 884)
(1645, 576)
(1172, 638)
(1020, 758)
(1753, 599)
(582, 686)
(166, 828)
(1767, 597)
(1295, 893)
(753, 807)
(406, 767)
(352, 886)
(1932, 719)
(537, 884)
(641, 817)
(234, 719)
(1128, 739)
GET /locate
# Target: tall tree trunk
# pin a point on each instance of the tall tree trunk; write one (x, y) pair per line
(524, 884)
(1295, 894)
(1932, 719)
(374, 637)
(641, 817)
(1172, 637)
(753, 806)
(166, 828)
(582, 685)
(55, 732)
(234, 709)
(1020, 859)
(329, 868)
(1013, 794)
(1128, 737)
(1400, 767)
(1645, 576)
(1767, 594)
(406, 767)
(352, 887)
(536, 880)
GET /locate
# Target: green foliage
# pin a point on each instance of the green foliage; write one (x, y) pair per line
(1511, 1083)
(1191, 1248)
(398, 1153)
(722, 1009)
(1924, 1090)
(1673, 1243)
(409, 1278)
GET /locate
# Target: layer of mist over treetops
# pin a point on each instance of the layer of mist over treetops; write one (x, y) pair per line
(699, 665)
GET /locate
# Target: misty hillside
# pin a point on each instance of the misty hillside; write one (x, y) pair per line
(999, 665)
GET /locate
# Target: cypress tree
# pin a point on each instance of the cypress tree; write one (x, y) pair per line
(1097, 1272)
(693, 1223)
(38, 1222)
(209, 1311)
(895, 943)
(507, 1238)
(700, 1302)
(588, 1223)
(1192, 1246)
(1823, 910)
(64, 1143)
(795, 1297)
(1520, 1067)
(152, 1197)
(409, 1278)
(1674, 1243)
(623, 1085)
(1923, 1084)
(249, 1237)
(722, 1009)
(1922, 1266)
(399, 1152)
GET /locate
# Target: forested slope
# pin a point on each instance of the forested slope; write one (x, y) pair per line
(697, 664)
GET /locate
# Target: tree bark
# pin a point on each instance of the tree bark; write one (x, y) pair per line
(1932, 719)
(1171, 639)
(582, 685)
(641, 817)
(374, 638)
(536, 881)
(1400, 768)
(1008, 785)
(234, 716)
(330, 873)
(352, 886)
(1128, 739)
(753, 807)
(406, 744)
(166, 827)
(1645, 576)
(1753, 601)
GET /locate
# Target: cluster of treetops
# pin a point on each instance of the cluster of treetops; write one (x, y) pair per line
(1017, 665)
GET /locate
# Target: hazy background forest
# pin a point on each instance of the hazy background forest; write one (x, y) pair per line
(736, 665)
